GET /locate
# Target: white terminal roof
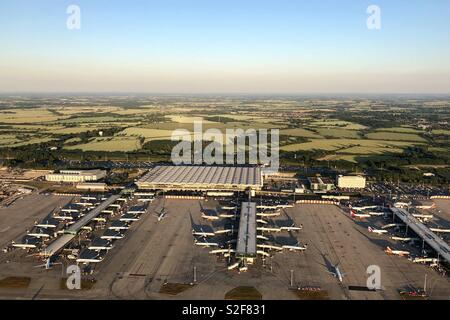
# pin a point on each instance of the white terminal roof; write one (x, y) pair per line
(202, 177)
(246, 242)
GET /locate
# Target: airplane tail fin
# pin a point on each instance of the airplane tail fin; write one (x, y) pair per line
(369, 228)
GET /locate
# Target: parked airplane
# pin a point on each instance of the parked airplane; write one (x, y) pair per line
(392, 225)
(376, 213)
(297, 247)
(422, 216)
(438, 230)
(404, 239)
(400, 253)
(202, 233)
(161, 214)
(271, 213)
(359, 215)
(204, 243)
(377, 231)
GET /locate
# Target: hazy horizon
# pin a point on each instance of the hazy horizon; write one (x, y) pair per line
(203, 47)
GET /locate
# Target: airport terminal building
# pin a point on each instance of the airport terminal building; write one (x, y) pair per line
(202, 178)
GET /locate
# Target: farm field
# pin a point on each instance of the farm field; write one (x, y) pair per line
(123, 144)
(394, 136)
(336, 144)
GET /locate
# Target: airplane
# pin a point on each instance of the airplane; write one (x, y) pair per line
(296, 247)
(129, 217)
(376, 213)
(405, 239)
(268, 229)
(425, 260)
(263, 253)
(39, 233)
(261, 221)
(261, 237)
(222, 231)
(396, 225)
(291, 228)
(337, 273)
(161, 214)
(225, 251)
(422, 216)
(269, 246)
(377, 231)
(208, 216)
(438, 230)
(205, 243)
(203, 233)
(229, 208)
(396, 252)
(362, 208)
(359, 215)
(275, 213)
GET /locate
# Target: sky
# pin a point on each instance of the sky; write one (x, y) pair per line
(225, 46)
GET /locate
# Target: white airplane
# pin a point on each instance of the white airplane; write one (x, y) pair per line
(297, 247)
(261, 221)
(268, 229)
(425, 260)
(225, 251)
(210, 217)
(227, 215)
(161, 214)
(362, 208)
(205, 243)
(392, 225)
(376, 213)
(268, 214)
(427, 207)
(202, 233)
(222, 231)
(404, 239)
(229, 208)
(438, 230)
(291, 228)
(359, 215)
(261, 237)
(422, 216)
(400, 253)
(269, 246)
(129, 217)
(263, 253)
(39, 233)
(337, 273)
(377, 231)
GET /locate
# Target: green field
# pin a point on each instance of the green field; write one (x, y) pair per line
(298, 132)
(335, 144)
(123, 144)
(394, 136)
(338, 133)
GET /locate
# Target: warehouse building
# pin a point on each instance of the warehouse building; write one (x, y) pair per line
(351, 182)
(202, 178)
(76, 176)
(320, 184)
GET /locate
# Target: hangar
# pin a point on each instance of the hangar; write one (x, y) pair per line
(202, 178)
